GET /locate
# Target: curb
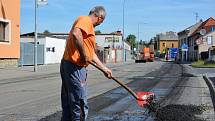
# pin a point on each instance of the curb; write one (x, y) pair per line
(211, 89)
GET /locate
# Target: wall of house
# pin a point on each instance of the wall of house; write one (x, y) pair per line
(206, 43)
(210, 23)
(168, 44)
(115, 52)
(10, 51)
(54, 49)
(194, 54)
(127, 46)
(107, 41)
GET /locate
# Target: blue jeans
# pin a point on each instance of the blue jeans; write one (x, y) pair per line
(73, 92)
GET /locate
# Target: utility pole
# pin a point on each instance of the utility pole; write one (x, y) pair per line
(37, 3)
(138, 35)
(35, 38)
(197, 16)
(123, 30)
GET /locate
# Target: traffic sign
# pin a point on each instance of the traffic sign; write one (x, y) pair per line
(184, 47)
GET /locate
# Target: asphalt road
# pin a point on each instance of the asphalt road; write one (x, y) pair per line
(117, 104)
(37, 96)
(31, 98)
(181, 95)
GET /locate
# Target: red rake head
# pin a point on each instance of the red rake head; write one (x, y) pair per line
(145, 98)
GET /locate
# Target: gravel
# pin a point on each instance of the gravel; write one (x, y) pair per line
(174, 112)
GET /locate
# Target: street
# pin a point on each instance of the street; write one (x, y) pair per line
(37, 97)
(162, 53)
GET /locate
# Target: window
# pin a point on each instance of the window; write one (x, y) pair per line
(163, 44)
(172, 45)
(209, 40)
(212, 28)
(4, 30)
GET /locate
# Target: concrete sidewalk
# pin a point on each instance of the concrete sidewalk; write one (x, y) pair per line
(27, 71)
(198, 90)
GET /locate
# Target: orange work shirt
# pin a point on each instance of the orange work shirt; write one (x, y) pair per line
(71, 52)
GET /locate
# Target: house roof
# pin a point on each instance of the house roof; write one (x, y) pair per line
(190, 30)
(202, 25)
(168, 36)
(42, 35)
(62, 35)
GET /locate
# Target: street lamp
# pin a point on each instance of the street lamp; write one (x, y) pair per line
(123, 30)
(35, 38)
(37, 3)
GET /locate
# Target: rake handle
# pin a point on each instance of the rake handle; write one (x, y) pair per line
(118, 81)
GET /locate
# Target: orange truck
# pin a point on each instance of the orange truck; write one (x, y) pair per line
(146, 54)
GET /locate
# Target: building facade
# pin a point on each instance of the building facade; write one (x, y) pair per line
(184, 38)
(9, 32)
(205, 43)
(205, 28)
(52, 49)
(109, 47)
(193, 37)
(166, 41)
(115, 50)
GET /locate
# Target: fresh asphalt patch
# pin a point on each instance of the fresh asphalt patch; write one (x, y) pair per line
(176, 112)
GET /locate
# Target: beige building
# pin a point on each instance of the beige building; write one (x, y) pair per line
(166, 40)
(195, 37)
(205, 43)
(199, 37)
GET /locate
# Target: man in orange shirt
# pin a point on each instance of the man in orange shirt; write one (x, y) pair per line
(80, 49)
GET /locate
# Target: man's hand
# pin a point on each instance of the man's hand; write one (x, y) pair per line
(108, 73)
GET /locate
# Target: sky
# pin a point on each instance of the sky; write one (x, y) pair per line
(152, 16)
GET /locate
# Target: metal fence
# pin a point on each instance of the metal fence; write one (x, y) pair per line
(27, 54)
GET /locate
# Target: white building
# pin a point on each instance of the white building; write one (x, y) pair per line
(113, 41)
(118, 50)
(53, 48)
(110, 47)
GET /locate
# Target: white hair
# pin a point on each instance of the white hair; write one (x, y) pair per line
(98, 11)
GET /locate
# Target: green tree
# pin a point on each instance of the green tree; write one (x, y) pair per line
(132, 40)
(46, 33)
(141, 42)
(98, 32)
(151, 41)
